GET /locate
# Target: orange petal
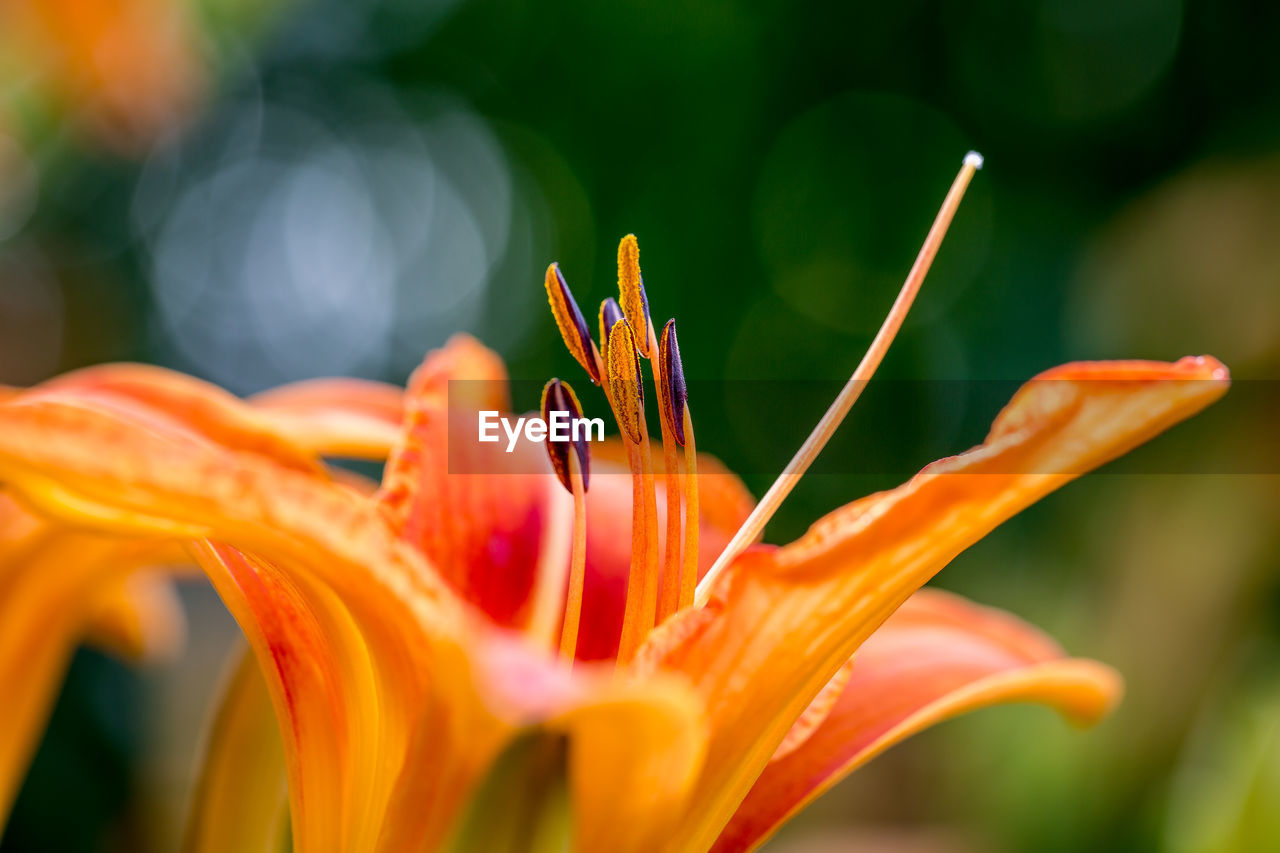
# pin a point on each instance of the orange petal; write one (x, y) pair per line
(140, 616)
(781, 622)
(59, 585)
(182, 402)
(317, 673)
(293, 423)
(358, 636)
(637, 782)
(240, 803)
(355, 418)
(51, 581)
(360, 684)
(936, 657)
(492, 530)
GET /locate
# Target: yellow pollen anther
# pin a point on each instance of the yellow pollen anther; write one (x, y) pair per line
(625, 388)
(572, 325)
(631, 295)
(754, 525)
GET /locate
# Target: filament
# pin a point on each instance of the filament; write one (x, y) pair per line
(689, 484)
(577, 564)
(759, 517)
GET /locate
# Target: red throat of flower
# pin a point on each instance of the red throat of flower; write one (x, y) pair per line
(627, 336)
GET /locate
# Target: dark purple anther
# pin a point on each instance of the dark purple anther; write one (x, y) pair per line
(610, 313)
(557, 396)
(573, 326)
(673, 372)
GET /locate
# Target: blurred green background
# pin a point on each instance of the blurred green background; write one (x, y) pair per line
(261, 192)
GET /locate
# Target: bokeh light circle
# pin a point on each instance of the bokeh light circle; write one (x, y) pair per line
(844, 201)
(288, 242)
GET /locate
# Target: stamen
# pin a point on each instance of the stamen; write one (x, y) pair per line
(681, 428)
(573, 470)
(669, 595)
(573, 326)
(754, 525)
(635, 307)
(635, 304)
(626, 393)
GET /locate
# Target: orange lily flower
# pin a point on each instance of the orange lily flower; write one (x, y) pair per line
(408, 642)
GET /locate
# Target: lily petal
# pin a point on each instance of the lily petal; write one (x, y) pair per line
(782, 622)
(168, 398)
(59, 584)
(94, 467)
(241, 803)
(49, 576)
(340, 749)
(320, 677)
(140, 617)
(938, 656)
(492, 533)
(353, 418)
(637, 781)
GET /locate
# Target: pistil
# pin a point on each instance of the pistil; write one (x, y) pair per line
(759, 517)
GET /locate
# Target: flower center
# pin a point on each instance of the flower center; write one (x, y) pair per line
(626, 337)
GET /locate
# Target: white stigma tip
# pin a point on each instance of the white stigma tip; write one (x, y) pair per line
(974, 159)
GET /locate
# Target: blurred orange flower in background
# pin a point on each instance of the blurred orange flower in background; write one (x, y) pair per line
(126, 70)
